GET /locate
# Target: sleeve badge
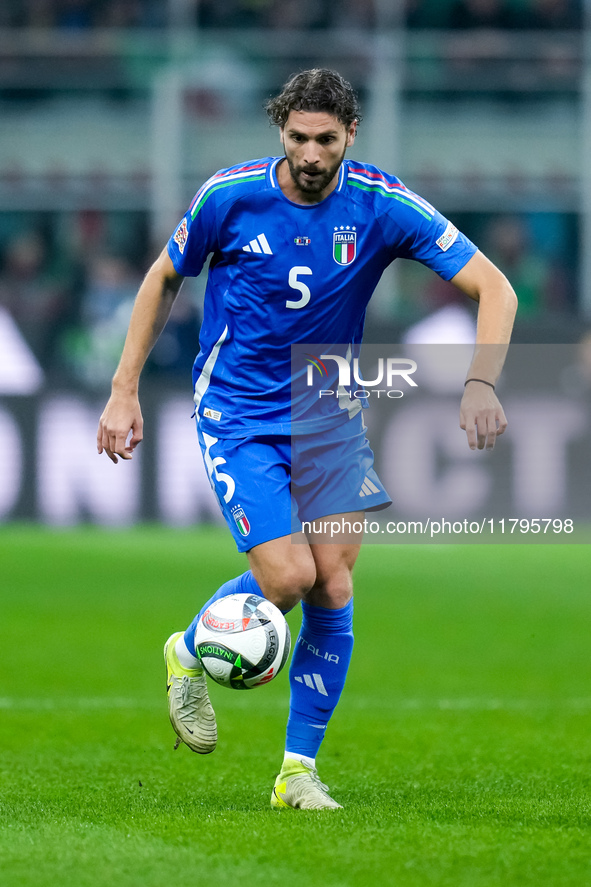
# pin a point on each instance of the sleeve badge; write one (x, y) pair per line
(448, 237)
(181, 235)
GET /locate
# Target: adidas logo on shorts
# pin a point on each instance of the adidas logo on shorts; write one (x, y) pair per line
(368, 488)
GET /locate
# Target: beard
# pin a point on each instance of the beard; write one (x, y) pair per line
(311, 180)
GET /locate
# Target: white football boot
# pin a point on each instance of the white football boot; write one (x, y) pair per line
(191, 712)
(299, 787)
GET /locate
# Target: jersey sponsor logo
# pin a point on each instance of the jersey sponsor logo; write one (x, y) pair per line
(302, 241)
(212, 414)
(260, 244)
(241, 520)
(344, 245)
(448, 237)
(180, 236)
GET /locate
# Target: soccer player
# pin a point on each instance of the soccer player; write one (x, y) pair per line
(298, 244)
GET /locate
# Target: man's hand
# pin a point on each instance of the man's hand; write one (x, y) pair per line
(151, 309)
(481, 415)
(121, 416)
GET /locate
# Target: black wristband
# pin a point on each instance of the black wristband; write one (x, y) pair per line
(484, 382)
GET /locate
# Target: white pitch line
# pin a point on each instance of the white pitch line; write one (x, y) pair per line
(77, 703)
(474, 704)
(468, 704)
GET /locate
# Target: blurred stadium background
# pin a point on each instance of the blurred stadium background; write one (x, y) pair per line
(114, 111)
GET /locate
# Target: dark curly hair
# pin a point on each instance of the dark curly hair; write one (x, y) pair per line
(319, 89)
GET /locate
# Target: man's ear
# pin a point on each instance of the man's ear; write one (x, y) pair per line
(352, 133)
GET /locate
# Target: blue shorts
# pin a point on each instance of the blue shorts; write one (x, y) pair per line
(266, 486)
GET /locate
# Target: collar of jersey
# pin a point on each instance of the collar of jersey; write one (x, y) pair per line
(275, 184)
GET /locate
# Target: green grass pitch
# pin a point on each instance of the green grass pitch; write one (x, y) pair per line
(461, 749)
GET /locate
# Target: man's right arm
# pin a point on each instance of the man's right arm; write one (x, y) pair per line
(151, 310)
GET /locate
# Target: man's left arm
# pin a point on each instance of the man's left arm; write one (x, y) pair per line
(481, 414)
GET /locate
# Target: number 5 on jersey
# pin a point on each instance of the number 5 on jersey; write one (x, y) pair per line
(295, 284)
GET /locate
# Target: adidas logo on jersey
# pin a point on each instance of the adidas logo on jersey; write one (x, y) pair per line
(316, 684)
(259, 245)
(368, 487)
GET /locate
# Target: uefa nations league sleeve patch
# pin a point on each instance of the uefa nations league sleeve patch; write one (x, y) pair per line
(448, 237)
(180, 236)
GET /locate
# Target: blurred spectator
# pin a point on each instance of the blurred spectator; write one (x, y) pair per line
(92, 350)
(74, 14)
(423, 295)
(353, 14)
(538, 254)
(298, 14)
(290, 14)
(38, 13)
(20, 372)
(482, 14)
(81, 14)
(232, 13)
(425, 14)
(173, 355)
(123, 14)
(540, 283)
(111, 283)
(501, 14)
(34, 291)
(553, 14)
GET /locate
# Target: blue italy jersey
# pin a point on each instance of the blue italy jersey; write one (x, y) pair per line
(283, 273)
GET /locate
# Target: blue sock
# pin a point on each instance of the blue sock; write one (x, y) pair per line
(244, 584)
(317, 675)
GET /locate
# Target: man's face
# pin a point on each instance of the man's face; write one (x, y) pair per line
(315, 144)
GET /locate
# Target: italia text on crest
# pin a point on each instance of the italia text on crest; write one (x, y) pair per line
(344, 245)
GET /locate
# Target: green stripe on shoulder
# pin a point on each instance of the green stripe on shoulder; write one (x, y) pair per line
(224, 184)
(398, 197)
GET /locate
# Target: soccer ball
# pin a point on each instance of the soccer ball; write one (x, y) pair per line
(242, 641)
